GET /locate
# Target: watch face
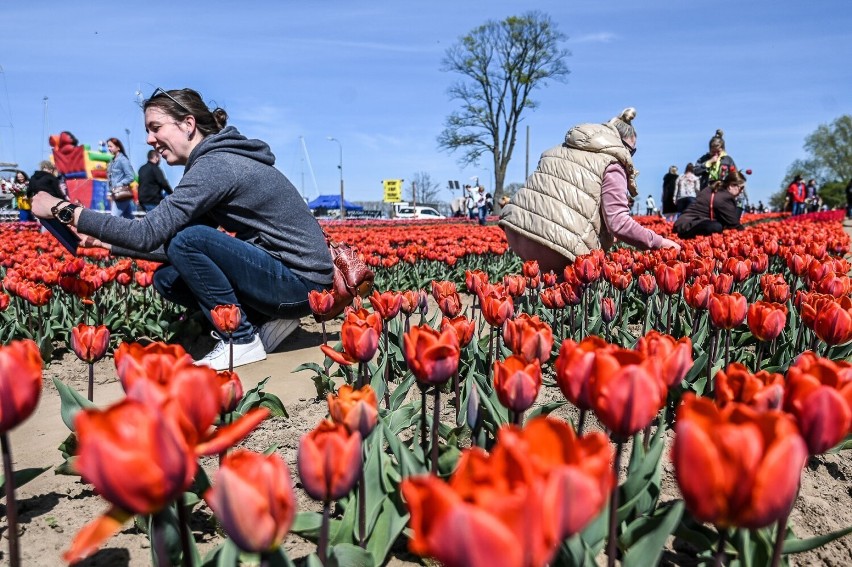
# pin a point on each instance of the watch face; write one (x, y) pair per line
(66, 214)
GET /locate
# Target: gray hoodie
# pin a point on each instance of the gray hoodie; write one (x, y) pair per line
(229, 181)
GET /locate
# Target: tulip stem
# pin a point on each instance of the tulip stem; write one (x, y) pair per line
(423, 420)
(231, 352)
(322, 546)
(185, 533)
(613, 508)
(669, 318)
(362, 508)
(324, 334)
(728, 347)
(457, 393)
(11, 505)
(759, 357)
(780, 536)
(436, 421)
(720, 551)
(581, 422)
(387, 367)
(91, 382)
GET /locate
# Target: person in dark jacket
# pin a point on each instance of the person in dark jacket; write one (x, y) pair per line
(714, 210)
(716, 164)
(45, 179)
(275, 258)
(669, 180)
(152, 183)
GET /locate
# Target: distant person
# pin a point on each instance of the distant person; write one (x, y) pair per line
(119, 175)
(504, 200)
(278, 253)
(849, 199)
(811, 198)
(669, 180)
(481, 205)
(716, 164)
(153, 185)
(650, 205)
(489, 203)
(46, 179)
(576, 200)
(797, 195)
(687, 187)
(470, 202)
(761, 208)
(714, 210)
(20, 188)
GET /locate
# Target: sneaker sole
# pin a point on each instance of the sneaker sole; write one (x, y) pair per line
(272, 340)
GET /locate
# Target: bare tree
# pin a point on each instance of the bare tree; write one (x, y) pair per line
(502, 62)
(422, 189)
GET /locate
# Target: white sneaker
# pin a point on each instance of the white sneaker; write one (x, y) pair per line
(218, 358)
(274, 331)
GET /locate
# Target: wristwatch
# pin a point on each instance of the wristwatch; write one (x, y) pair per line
(65, 214)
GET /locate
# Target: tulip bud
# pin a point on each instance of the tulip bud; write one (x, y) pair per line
(727, 311)
(358, 410)
(20, 382)
(432, 357)
(329, 461)
(517, 382)
(607, 309)
(529, 337)
(226, 318)
(766, 320)
(252, 496)
(90, 342)
(232, 390)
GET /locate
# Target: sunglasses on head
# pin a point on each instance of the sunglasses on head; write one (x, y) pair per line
(159, 91)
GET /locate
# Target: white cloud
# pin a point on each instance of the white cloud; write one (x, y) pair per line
(599, 37)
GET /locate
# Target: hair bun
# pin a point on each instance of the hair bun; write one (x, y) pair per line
(628, 114)
(720, 133)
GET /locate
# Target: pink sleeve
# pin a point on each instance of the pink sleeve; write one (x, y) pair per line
(616, 213)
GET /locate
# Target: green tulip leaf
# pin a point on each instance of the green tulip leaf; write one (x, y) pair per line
(228, 554)
(802, 545)
(277, 558)
(71, 402)
(313, 561)
(22, 477)
(647, 536)
(545, 409)
(348, 555)
(308, 524)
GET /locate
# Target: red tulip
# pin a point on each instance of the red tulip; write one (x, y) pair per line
(252, 496)
(607, 309)
(20, 382)
(647, 284)
(413, 300)
(386, 304)
(529, 337)
(517, 382)
(473, 279)
(727, 310)
(329, 461)
(675, 356)
(90, 342)
(530, 269)
(834, 285)
(722, 283)
(496, 309)
(738, 268)
(442, 289)
(697, 294)
(574, 369)
(833, 322)
(358, 410)
(551, 297)
(433, 357)
(763, 391)
(819, 396)
(323, 304)
(766, 320)
(231, 388)
(735, 466)
(670, 277)
(572, 294)
(464, 328)
(587, 269)
(226, 318)
(549, 279)
(775, 288)
(4, 301)
(450, 305)
(360, 334)
(627, 390)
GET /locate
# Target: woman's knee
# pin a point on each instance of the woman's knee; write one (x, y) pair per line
(189, 239)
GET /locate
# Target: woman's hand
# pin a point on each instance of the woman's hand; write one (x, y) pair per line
(670, 244)
(42, 203)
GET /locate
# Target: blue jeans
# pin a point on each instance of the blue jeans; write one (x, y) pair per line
(123, 209)
(147, 207)
(209, 268)
(481, 215)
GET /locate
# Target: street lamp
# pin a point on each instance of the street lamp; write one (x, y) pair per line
(127, 131)
(340, 167)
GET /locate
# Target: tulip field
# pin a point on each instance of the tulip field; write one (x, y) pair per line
(637, 409)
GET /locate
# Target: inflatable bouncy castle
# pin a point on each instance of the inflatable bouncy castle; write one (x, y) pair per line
(85, 170)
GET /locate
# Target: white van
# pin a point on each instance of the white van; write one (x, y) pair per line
(417, 212)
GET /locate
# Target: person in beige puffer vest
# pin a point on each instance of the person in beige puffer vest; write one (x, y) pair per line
(576, 200)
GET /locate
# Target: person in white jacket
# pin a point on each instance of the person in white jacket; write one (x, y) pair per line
(650, 205)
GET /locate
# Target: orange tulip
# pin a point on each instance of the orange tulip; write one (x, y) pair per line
(464, 328)
(833, 322)
(763, 391)
(697, 294)
(473, 279)
(442, 289)
(517, 382)
(386, 304)
(90, 342)
(627, 390)
(735, 466)
(413, 300)
(450, 305)
(154, 362)
(675, 356)
(819, 396)
(360, 334)
(529, 338)
(433, 357)
(20, 382)
(727, 310)
(135, 456)
(226, 318)
(252, 496)
(670, 277)
(574, 367)
(231, 388)
(329, 461)
(358, 410)
(766, 320)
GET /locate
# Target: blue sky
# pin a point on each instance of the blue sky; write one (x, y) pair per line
(368, 74)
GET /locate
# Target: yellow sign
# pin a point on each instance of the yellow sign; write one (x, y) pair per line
(393, 190)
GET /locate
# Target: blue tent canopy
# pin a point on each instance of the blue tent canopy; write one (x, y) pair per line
(333, 202)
